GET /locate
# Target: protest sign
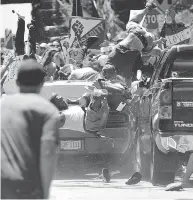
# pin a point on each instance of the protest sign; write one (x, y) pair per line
(82, 28)
(8, 41)
(151, 20)
(179, 31)
(10, 86)
(182, 36)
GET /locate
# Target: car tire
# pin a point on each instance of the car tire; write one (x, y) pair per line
(159, 161)
(141, 160)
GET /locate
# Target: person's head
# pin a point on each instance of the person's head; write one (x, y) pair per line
(103, 60)
(59, 102)
(50, 45)
(57, 45)
(43, 47)
(109, 72)
(30, 77)
(48, 57)
(67, 69)
(170, 19)
(96, 66)
(105, 50)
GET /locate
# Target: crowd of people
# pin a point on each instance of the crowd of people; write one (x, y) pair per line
(27, 159)
(124, 54)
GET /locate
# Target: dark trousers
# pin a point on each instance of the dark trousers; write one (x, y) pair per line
(11, 189)
(126, 62)
(19, 39)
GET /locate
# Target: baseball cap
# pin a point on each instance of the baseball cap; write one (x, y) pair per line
(30, 73)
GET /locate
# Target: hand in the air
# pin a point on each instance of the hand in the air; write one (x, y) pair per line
(162, 40)
(150, 4)
(77, 27)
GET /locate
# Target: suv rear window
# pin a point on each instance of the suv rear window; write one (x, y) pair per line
(181, 68)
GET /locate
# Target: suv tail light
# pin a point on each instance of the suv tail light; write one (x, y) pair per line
(165, 108)
(165, 97)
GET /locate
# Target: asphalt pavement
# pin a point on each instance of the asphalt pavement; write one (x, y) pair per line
(89, 189)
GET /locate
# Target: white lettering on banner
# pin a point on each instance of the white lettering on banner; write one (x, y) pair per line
(184, 104)
(151, 19)
(178, 37)
(181, 124)
(96, 31)
(8, 35)
(13, 62)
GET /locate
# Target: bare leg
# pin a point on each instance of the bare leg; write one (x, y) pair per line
(179, 185)
(189, 170)
(138, 18)
(149, 6)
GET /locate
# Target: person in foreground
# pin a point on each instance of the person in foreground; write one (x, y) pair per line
(29, 137)
(185, 181)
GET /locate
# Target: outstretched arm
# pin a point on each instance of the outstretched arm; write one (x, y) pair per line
(189, 170)
(149, 6)
(48, 153)
(139, 17)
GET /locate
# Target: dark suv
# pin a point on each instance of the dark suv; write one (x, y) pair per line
(164, 119)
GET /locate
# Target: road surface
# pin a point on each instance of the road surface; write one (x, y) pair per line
(89, 189)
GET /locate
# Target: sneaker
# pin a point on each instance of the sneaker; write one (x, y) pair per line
(135, 178)
(106, 175)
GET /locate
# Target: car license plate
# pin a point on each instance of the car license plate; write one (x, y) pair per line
(70, 145)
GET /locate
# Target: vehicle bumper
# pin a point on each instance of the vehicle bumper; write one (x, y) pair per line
(97, 146)
(96, 154)
(181, 142)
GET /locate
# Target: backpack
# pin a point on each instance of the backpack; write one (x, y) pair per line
(117, 93)
(96, 119)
